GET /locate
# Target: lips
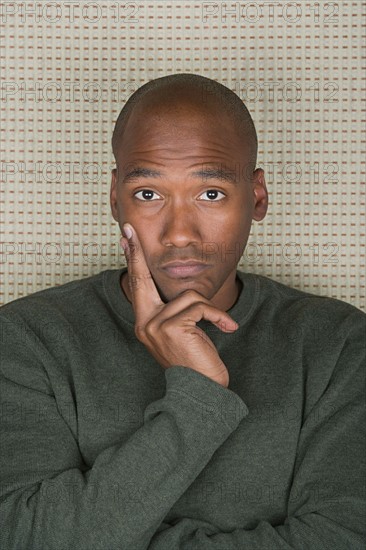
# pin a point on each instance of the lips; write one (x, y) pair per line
(189, 268)
(179, 263)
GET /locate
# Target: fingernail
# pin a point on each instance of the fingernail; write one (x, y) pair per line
(127, 231)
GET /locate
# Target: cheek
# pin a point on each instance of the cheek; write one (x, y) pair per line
(148, 237)
(128, 212)
(234, 223)
(235, 232)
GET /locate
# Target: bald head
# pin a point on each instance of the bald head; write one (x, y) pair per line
(173, 93)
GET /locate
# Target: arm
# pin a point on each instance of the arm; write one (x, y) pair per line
(51, 499)
(326, 506)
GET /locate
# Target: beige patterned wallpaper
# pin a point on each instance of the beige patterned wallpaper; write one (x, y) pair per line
(67, 69)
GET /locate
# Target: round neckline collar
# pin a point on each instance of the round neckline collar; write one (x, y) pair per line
(241, 311)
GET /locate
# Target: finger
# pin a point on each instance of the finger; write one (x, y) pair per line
(145, 296)
(191, 313)
(124, 243)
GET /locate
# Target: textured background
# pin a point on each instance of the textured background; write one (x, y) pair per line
(68, 68)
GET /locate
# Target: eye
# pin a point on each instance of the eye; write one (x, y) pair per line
(213, 195)
(147, 195)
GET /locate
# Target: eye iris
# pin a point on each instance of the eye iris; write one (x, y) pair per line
(147, 194)
(212, 194)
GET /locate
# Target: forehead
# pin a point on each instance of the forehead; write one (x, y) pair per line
(180, 130)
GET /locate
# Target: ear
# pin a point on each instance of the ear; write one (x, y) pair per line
(260, 195)
(113, 195)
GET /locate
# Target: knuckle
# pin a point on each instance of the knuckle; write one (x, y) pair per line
(197, 304)
(133, 283)
(150, 328)
(136, 253)
(140, 332)
(146, 275)
(133, 252)
(166, 326)
(136, 282)
(191, 294)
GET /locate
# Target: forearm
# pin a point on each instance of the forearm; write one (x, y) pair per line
(326, 506)
(121, 501)
(311, 531)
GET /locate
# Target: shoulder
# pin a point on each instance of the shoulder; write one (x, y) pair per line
(69, 298)
(303, 312)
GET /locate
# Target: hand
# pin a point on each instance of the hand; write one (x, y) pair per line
(169, 331)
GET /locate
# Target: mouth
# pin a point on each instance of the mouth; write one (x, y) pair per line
(179, 270)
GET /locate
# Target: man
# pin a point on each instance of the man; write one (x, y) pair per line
(179, 403)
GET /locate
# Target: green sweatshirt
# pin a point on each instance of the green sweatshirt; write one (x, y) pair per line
(102, 448)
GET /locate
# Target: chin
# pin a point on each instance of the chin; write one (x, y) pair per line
(169, 292)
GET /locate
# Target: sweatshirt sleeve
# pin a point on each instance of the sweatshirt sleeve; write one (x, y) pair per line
(327, 504)
(50, 500)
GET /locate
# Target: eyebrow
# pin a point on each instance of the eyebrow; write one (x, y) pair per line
(139, 172)
(208, 173)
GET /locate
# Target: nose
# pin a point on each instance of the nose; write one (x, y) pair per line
(180, 227)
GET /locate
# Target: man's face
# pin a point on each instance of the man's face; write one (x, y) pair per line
(182, 182)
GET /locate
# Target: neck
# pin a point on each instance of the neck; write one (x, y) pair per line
(221, 303)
